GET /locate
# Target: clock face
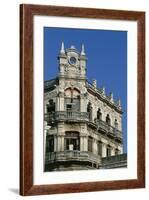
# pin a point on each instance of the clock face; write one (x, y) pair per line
(72, 60)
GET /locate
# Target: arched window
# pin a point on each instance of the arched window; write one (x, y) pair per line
(72, 100)
(99, 114)
(89, 110)
(108, 120)
(88, 107)
(116, 124)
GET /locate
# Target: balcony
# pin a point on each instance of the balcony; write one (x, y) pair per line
(67, 116)
(81, 156)
(112, 131)
(83, 116)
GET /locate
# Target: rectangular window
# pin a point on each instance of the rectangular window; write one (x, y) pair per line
(71, 144)
(72, 141)
(108, 151)
(50, 144)
(69, 107)
(72, 104)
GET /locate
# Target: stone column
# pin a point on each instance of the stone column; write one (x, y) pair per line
(120, 150)
(83, 103)
(60, 101)
(60, 143)
(104, 150)
(55, 143)
(46, 128)
(45, 108)
(45, 134)
(94, 146)
(57, 103)
(112, 151)
(81, 143)
(83, 138)
(85, 143)
(60, 137)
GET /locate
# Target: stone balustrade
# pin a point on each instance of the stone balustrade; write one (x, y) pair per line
(82, 116)
(74, 155)
(67, 115)
(114, 161)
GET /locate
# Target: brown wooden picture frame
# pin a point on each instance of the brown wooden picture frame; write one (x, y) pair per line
(27, 12)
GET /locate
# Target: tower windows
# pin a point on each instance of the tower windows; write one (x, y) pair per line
(99, 114)
(116, 124)
(108, 120)
(72, 100)
(69, 107)
(89, 110)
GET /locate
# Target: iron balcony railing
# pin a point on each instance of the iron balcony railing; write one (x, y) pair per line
(82, 116)
(74, 155)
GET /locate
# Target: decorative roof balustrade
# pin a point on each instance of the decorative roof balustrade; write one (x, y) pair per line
(101, 93)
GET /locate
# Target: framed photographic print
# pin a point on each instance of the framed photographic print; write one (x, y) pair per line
(82, 99)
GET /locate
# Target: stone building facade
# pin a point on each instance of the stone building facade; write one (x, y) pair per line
(82, 124)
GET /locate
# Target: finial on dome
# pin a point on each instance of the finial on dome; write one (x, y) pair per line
(103, 91)
(111, 96)
(119, 103)
(83, 50)
(94, 83)
(62, 48)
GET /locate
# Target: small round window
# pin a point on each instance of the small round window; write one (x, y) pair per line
(72, 60)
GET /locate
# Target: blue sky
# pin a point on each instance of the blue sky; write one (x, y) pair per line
(107, 59)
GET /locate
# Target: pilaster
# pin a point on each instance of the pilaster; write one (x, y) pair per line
(104, 150)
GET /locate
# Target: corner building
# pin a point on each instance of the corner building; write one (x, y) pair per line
(82, 125)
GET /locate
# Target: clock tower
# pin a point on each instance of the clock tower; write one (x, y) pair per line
(72, 64)
(72, 77)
